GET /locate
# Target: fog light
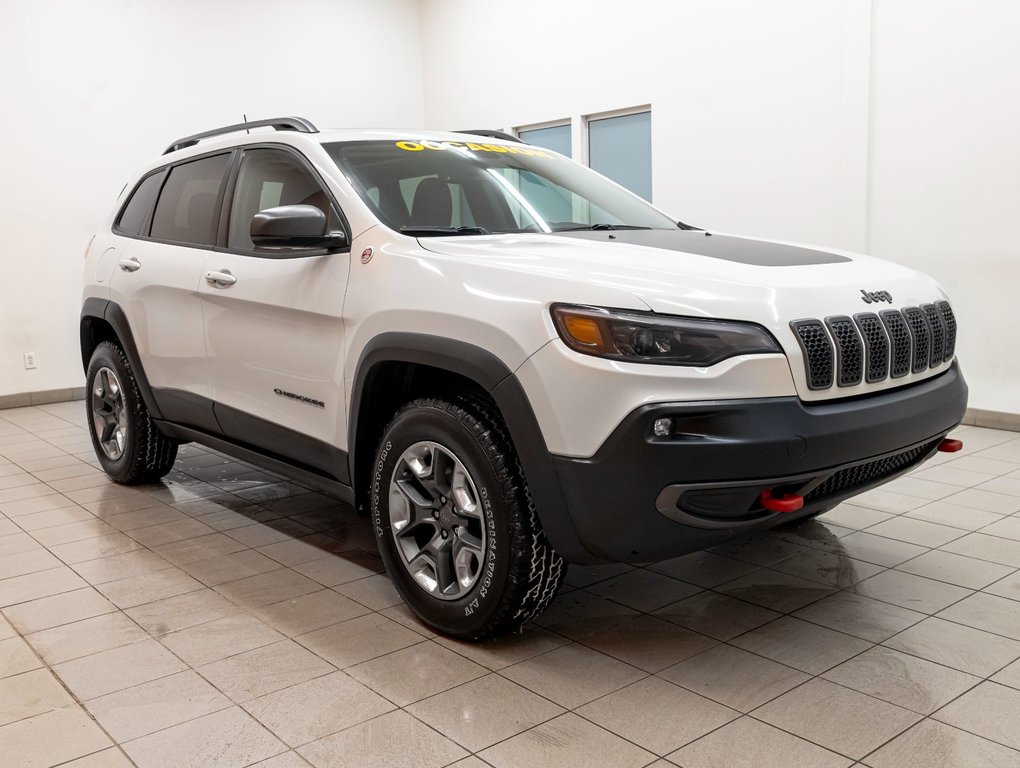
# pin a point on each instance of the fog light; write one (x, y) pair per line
(663, 427)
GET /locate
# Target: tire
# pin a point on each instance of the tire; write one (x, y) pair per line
(458, 458)
(130, 448)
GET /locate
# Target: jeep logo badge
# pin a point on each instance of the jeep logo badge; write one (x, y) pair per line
(870, 297)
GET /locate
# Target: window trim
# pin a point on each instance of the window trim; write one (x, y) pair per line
(165, 170)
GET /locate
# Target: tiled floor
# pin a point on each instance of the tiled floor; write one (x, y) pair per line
(227, 618)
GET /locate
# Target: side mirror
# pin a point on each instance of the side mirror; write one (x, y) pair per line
(293, 226)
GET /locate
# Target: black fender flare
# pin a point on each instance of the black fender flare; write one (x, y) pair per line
(113, 315)
(491, 374)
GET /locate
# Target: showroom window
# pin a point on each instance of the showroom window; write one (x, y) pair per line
(269, 178)
(620, 147)
(186, 211)
(554, 137)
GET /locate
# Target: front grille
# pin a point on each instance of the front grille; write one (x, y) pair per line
(872, 348)
(846, 480)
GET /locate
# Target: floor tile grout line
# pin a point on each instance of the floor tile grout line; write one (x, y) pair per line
(580, 641)
(71, 694)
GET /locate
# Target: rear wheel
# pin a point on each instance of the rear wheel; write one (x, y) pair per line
(455, 524)
(129, 446)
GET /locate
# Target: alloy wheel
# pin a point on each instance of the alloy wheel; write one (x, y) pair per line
(109, 414)
(436, 520)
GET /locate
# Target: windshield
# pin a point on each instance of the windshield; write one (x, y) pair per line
(441, 188)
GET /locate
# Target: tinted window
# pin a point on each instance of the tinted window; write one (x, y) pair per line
(139, 204)
(269, 178)
(412, 185)
(186, 211)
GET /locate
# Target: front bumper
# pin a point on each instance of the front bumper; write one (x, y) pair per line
(642, 498)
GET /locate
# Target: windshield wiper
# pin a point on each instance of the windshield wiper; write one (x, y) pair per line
(597, 227)
(437, 231)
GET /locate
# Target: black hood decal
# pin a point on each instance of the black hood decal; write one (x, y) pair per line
(737, 249)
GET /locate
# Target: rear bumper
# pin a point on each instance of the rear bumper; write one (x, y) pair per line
(643, 498)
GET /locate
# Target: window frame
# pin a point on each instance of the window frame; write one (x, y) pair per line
(217, 207)
(288, 253)
(146, 222)
(224, 202)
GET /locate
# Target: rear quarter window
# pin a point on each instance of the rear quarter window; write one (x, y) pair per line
(136, 209)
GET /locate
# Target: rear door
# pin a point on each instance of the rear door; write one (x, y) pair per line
(273, 326)
(160, 261)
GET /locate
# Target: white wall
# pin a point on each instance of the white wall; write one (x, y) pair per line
(890, 126)
(881, 125)
(945, 169)
(92, 90)
(748, 98)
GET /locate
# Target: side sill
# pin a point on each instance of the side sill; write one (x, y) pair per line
(303, 475)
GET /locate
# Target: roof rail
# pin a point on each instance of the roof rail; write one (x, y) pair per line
(298, 124)
(492, 134)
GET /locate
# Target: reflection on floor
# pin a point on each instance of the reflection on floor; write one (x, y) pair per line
(225, 618)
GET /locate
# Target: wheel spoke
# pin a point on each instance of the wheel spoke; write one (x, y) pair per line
(441, 466)
(443, 557)
(467, 558)
(108, 429)
(423, 569)
(466, 540)
(414, 496)
(463, 496)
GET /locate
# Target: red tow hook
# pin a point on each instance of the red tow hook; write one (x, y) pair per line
(949, 445)
(788, 502)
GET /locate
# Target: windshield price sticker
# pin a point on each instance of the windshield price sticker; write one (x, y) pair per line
(418, 146)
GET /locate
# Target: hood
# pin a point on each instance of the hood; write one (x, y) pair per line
(702, 274)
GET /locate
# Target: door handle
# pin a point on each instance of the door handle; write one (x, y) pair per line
(130, 264)
(220, 279)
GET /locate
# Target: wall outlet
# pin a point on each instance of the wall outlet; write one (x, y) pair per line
(30, 361)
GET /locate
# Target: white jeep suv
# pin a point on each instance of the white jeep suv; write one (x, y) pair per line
(506, 360)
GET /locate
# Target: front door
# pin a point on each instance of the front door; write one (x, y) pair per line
(273, 330)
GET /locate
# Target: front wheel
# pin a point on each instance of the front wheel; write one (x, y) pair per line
(455, 524)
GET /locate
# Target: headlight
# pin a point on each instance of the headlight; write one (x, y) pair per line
(645, 337)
